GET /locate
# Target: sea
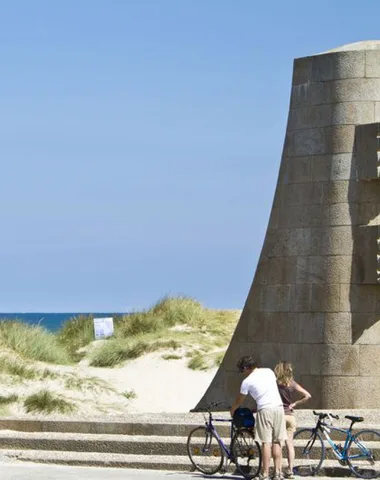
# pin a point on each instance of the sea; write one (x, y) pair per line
(51, 321)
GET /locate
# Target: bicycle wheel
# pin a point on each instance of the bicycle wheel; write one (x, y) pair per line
(204, 450)
(309, 450)
(363, 456)
(246, 453)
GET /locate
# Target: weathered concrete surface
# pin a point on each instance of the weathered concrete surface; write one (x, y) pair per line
(30, 471)
(315, 297)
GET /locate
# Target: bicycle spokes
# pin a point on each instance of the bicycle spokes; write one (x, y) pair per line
(246, 453)
(310, 452)
(362, 456)
(205, 451)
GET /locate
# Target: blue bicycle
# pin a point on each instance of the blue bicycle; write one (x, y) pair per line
(360, 457)
(208, 451)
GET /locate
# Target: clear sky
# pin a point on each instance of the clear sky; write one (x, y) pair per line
(140, 142)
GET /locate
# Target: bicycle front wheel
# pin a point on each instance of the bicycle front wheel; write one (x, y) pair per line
(309, 451)
(205, 451)
(246, 453)
(363, 456)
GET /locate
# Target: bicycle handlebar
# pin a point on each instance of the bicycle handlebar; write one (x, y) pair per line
(323, 415)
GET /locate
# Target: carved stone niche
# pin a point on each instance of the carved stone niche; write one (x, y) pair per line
(367, 150)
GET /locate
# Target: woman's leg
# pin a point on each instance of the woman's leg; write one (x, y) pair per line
(290, 448)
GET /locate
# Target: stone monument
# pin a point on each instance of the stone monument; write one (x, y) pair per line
(315, 297)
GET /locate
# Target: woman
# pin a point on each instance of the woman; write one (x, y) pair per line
(287, 387)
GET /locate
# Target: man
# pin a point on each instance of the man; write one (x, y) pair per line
(261, 384)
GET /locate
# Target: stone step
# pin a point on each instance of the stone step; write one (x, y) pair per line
(170, 424)
(70, 442)
(152, 462)
(149, 462)
(117, 444)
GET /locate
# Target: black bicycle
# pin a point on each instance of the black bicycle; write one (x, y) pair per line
(357, 452)
(208, 452)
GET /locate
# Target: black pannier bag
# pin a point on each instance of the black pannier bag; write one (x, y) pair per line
(243, 417)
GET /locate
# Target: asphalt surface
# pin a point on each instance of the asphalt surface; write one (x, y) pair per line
(13, 471)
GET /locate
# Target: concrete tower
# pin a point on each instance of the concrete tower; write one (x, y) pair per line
(315, 297)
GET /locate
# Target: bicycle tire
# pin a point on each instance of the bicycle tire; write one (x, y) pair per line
(246, 453)
(310, 452)
(204, 450)
(369, 465)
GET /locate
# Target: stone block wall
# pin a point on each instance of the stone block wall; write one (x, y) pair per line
(315, 297)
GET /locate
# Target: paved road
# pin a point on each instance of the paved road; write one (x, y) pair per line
(24, 471)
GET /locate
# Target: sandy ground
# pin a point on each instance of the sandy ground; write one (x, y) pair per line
(160, 385)
(149, 384)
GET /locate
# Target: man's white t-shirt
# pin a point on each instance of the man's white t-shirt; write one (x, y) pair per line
(261, 384)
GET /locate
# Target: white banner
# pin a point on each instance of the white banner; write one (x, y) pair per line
(103, 327)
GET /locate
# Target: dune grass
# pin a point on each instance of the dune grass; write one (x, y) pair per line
(6, 399)
(47, 402)
(82, 384)
(129, 394)
(32, 342)
(13, 366)
(163, 327)
(180, 326)
(77, 332)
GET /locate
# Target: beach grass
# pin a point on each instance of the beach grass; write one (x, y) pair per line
(32, 342)
(82, 384)
(172, 324)
(6, 399)
(75, 333)
(178, 326)
(46, 402)
(129, 394)
(11, 365)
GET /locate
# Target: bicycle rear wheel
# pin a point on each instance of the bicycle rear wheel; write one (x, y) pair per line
(204, 450)
(362, 458)
(310, 452)
(246, 453)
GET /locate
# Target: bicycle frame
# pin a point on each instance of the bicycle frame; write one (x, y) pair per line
(342, 452)
(210, 426)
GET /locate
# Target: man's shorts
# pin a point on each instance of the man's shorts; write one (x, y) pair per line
(290, 422)
(270, 425)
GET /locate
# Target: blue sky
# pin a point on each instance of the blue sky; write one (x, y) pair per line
(140, 143)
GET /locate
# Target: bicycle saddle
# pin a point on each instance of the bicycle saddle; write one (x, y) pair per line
(354, 419)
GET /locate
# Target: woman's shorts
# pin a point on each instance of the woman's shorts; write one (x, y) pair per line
(290, 422)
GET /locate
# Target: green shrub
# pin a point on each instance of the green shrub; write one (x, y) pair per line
(32, 342)
(46, 402)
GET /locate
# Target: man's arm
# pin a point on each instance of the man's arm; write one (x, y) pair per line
(238, 401)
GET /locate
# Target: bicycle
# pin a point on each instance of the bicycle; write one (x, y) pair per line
(208, 451)
(361, 459)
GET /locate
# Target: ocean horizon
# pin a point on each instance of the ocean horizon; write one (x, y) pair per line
(52, 321)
